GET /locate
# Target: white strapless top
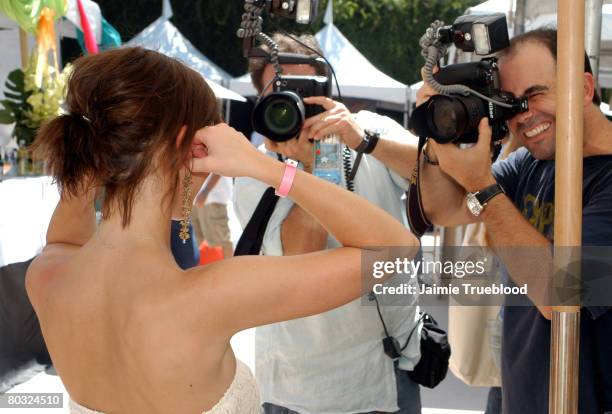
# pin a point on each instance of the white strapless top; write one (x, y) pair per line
(242, 396)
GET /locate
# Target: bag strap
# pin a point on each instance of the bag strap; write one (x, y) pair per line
(424, 315)
(418, 221)
(252, 237)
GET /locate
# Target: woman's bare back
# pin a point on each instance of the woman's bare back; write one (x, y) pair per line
(120, 332)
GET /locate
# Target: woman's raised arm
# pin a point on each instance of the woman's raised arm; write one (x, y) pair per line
(258, 290)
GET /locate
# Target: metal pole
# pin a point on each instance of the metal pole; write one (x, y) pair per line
(593, 33)
(519, 17)
(565, 345)
(228, 109)
(23, 45)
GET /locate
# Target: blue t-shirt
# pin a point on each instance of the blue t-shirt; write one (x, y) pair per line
(530, 184)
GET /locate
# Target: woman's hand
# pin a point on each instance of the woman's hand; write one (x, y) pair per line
(222, 150)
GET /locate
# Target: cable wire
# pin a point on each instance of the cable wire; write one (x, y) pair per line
(331, 68)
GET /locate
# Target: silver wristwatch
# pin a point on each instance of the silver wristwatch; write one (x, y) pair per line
(477, 201)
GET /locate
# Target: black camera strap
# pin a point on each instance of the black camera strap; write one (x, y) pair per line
(418, 221)
(251, 238)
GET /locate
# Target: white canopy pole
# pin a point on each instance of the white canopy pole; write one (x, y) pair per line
(593, 33)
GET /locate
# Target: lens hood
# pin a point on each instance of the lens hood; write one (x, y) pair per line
(279, 116)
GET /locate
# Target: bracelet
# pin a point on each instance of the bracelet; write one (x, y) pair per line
(427, 159)
(287, 180)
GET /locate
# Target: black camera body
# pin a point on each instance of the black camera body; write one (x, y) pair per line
(306, 86)
(474, 87)
(279, 116)
(455, 117)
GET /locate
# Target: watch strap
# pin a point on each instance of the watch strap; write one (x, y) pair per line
(367, 145)
(370, 139)
(483, 196)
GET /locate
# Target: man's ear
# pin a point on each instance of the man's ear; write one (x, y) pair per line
(589, 88)
(181, 135)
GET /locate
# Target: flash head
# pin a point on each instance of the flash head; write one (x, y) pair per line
(302, 11)
(482, 35)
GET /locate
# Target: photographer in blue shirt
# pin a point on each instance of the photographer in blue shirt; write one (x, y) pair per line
(524, 217)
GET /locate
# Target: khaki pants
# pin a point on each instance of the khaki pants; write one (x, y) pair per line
(211, 224)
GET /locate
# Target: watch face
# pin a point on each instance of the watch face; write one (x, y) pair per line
(473, 204)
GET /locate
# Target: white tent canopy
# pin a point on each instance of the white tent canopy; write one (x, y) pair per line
(164, 37)
(357, 77)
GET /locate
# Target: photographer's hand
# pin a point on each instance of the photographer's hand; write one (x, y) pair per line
(426, 91)
(335, 120)
(470, 167)
(299, 149)
(396, 148)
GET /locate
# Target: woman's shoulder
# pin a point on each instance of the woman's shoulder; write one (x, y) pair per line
(46, 269)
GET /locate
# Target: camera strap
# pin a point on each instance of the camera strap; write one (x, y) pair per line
(391, 345)
(418, 221)
(251, 238)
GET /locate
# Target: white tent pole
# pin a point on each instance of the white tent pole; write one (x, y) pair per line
(167, 9)
(593, 33)
(328, 18)
(228, 110)
(519, 17)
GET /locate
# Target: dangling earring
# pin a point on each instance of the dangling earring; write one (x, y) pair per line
(184, 232)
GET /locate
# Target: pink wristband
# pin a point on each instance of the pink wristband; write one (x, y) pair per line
(287, 180)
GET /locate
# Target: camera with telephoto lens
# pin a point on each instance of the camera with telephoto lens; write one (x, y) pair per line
(470, 91)
(280, 115)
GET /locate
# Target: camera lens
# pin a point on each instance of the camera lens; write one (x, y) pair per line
(444, 117)
(280, 116)
(454, 117)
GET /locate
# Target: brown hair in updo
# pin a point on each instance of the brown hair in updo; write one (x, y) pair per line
(126, 107)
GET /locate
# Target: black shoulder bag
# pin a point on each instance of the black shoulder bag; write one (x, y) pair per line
(435, 348)
(435, 353)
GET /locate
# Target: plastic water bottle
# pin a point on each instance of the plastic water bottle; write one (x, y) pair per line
(328, 159)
